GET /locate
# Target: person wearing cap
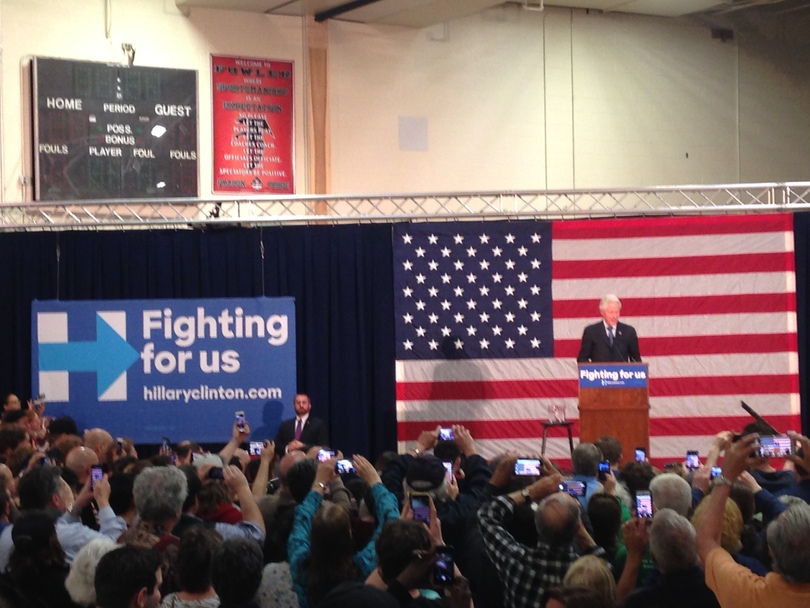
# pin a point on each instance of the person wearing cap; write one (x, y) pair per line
(36, 569)
(457, 498)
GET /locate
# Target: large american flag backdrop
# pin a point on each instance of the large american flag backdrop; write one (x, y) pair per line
(489, 317)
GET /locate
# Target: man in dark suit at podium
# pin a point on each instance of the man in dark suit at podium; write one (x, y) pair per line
(609, 340)
(303, 431)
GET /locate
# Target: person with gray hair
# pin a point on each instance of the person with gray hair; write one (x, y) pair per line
(788, 540)
(80, 581)
(159, 493)
(528, 572)
(609, 340)
(585, 462)
(672, 542)
(671, 491)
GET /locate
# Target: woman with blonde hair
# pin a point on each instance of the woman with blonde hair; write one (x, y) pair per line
(592, 573)
(730, 539)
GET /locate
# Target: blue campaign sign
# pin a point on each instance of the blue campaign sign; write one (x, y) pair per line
(598, 375)
(148, 369)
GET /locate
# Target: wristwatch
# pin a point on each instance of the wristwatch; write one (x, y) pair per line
(526, 496)
(721, 480)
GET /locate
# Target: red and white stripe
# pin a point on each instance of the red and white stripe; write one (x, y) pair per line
(713, 301)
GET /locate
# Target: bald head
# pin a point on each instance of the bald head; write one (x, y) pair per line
(79, 460)
(97, 440)
(557, 519)
(288, 461)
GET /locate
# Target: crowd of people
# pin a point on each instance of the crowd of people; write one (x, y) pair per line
(85, 522)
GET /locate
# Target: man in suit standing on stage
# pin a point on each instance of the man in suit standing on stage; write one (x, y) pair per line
(303, 431)
(609, 340)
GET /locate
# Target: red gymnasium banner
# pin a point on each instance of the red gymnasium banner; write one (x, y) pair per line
(490, 317)
(253, 125)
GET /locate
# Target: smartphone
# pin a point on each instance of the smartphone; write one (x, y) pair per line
(119, 446)
(444, 570)
(692, 460)
(96, 474)
(644, 504)
(604, 469)
(573, 487)
(215, 473)
(775, 446)
(641, 454)
(715, 472)
(165, 446)
(420, 506)
(324, 455)
(344, 467)
(448, 470)
(255, 448)
(446, 434)
(240, 420)
(528, 466)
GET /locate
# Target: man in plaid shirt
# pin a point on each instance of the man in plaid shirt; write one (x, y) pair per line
(527, 572)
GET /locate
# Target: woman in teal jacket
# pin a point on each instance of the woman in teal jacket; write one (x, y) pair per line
(320, 547)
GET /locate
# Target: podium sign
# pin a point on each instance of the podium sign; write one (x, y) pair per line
(614, 400)
(605, 375)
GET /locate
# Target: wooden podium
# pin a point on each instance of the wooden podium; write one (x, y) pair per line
(614, 400)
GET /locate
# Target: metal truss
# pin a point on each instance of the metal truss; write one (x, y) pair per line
(264, 211)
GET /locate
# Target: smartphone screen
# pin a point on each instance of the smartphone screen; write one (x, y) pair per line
(641, 454)
(324, 455)
(775, 446)
(604, 469)
(692, 460)
(448, 471)
(96, 475)
(528, 466)
(443, 570)
(446, 434)
(573, 487)
(240, 420)
(256, 448)
(344, 467)
(420, 506)
(716, 471)
(643, 504)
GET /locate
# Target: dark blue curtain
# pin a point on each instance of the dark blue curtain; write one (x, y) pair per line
(340, 277)
(801, 239)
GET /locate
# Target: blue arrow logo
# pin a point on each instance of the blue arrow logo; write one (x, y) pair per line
(109, 356)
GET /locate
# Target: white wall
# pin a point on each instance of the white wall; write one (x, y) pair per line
(162, 37)
(512, 99)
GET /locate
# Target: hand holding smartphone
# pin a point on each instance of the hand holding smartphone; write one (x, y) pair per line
(692, 460)
(96, 475)
(345, 466)
(446, 434)
(532, 467)
(420, 507)
(444, 569)
(604, 469)
(644, 504)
